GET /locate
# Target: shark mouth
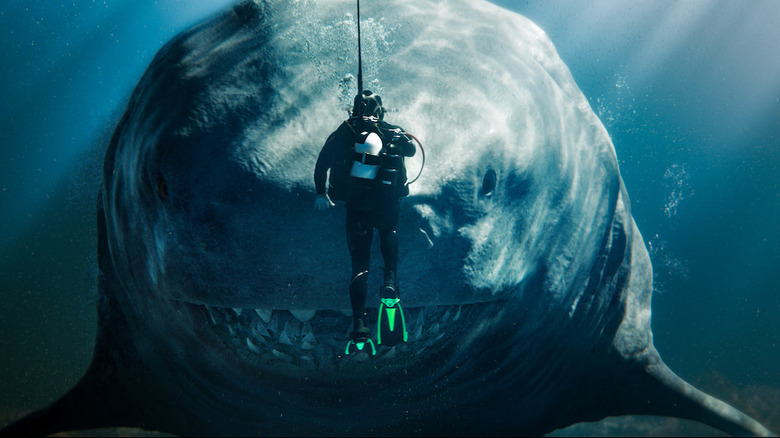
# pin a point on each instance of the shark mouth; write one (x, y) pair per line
(307, 340)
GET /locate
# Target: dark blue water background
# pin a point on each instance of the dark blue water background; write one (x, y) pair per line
(689, 92)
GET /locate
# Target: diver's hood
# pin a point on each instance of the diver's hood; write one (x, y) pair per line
(368, 104)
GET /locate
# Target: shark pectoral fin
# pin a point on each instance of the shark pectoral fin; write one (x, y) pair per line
(661, 392)
(91, 404)
(689, 402)
(103, 396)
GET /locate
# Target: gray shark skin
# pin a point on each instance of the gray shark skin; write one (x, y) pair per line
(223, 293)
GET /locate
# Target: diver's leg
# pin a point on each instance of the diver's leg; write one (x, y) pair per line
(359, 235)
(388, 240)
(391, 325)
(358, 290)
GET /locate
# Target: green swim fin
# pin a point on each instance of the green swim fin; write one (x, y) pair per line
(359, 341)
(355, 346)
(391, 325)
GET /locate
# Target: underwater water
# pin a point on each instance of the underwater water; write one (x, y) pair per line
(689, 93)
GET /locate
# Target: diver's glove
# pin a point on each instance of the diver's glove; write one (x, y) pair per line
(323, 202)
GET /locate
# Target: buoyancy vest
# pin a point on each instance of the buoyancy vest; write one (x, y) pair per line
(378, 158)
(376, 162)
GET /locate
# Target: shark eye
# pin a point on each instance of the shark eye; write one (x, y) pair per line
(489, 182)
(162, 188)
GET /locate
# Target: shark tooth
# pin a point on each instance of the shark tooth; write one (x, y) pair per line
(273, 323)
(447, 314)
(310, 338)
(238, 310)
(417, 335)
(211, 315)
(258, 330)
(252, 346)
(284, 338)
(281, 355)
(390, 354)
(264, 314)
(418, 327)
(303, 315)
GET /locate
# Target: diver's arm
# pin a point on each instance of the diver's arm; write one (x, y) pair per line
(408, 149)
(324, 162)
(322, 201)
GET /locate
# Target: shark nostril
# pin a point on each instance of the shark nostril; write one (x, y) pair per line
(489, 182)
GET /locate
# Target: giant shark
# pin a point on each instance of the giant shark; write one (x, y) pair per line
(223, 303)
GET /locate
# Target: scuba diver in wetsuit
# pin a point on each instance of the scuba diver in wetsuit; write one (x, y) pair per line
(365, 156)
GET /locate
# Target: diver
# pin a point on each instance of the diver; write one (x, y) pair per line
(365, 156)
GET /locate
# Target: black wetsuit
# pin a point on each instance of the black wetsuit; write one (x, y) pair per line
(369, 204)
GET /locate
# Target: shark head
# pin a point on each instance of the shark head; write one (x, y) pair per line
(208, 185)
(526, 282)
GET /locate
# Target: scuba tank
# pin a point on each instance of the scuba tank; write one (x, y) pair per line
(376, 162)
(392, 170)
(367, 159)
